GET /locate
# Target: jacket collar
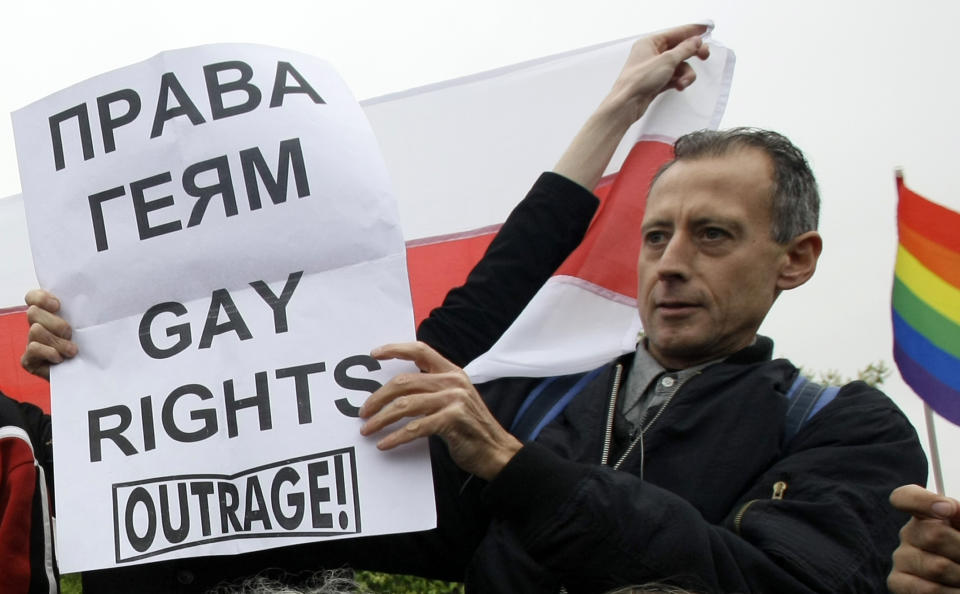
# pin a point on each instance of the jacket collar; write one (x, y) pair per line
(761, 350)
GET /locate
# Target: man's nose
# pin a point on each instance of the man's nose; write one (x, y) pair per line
(674, 261)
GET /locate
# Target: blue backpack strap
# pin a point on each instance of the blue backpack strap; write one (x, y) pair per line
(805, 399)
(546, 401)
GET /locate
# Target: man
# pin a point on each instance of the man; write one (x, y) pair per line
(707, 490)
(668, 465)
(928, 558)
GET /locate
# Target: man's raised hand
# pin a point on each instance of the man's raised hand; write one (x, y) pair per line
(440, 401)
(656, 63)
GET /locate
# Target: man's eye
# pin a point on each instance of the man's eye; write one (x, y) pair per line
(655, 237)
(714, 233)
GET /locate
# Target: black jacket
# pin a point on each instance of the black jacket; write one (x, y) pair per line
(723, 505)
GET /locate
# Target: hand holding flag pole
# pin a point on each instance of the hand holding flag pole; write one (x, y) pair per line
(926, 308)
(934, 448)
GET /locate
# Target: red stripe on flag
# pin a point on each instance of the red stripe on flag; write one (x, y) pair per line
(437, 265)
(608, 255)
(937, 223)
(14, 381)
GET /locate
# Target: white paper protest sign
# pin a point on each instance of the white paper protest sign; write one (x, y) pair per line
(219, 225)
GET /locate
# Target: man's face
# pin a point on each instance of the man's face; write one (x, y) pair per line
(708, 268)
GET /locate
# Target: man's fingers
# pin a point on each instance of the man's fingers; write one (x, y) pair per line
(688, 49)
(683, 77)
(933, 536)
(703, 52)
(415, 429)
(439, 373)
(43, 299)
(683, 74)
(49, 336)
(904, 583)
(39, 333)
(38, 316)
(445, 414)
(424, 357)
(37, 357)
(919, 502)
(911, 560)
(672, 37)
(411, 383)
(412, 405)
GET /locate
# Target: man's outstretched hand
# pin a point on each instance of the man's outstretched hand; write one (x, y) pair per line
(440, 401)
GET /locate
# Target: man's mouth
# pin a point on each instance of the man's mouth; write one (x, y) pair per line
(676, 307)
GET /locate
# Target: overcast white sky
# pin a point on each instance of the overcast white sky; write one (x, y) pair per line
(861, 90)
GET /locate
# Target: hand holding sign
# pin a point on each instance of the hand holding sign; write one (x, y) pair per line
(49, 338)
(450, 407)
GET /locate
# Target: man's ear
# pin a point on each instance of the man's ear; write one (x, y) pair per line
(800, 260)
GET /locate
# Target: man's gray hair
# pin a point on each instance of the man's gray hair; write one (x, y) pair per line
(796, 200)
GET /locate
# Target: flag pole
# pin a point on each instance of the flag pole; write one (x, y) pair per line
(934, 449)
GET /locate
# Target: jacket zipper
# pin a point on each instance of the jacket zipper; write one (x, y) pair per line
(608, 433)
(779, 488)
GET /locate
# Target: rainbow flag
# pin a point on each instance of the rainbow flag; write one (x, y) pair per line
(926, 301)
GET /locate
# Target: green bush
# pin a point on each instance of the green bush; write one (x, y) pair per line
(386, 583)
(873, 374)
(70, 584)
